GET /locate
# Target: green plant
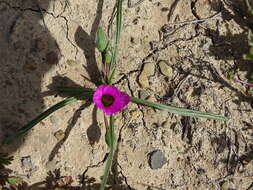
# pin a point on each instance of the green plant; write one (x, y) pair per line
(107, 97)
(5, 179)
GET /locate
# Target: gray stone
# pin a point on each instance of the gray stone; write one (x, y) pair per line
(54, 120)
(28, 167)
(27, 162)
(157, 159)
(165, 69)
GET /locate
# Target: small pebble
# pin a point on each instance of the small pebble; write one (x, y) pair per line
(157, 159)
(27, 162)
(54, 120)
(27, 165)
(135, 114)
(143, 80)
(71, 62)
(59, 135)
(148, 70)
(226, 185)
(165, 69)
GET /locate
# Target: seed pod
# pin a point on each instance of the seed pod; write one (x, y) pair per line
(101, 40)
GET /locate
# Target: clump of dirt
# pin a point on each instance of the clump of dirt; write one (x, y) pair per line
(181, 50)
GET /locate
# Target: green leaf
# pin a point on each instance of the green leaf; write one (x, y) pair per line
(230, 75)
(5, 160)
(111, 142)
(118, 32)
(250, 38)
(251, 11)
(248, 57)
(180, 111)
(70, 91)
(108, 57)
(101, 40)
(251, 77)
(111, 76)
(42, 116)
(251, 91)
(110, 134)
(14, 180)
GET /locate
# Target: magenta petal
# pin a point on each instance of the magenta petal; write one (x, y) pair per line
(97, 96)
(125, 98)
(121, 99)
(112, 90)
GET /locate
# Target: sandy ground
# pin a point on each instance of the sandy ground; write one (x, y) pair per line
(182, 64)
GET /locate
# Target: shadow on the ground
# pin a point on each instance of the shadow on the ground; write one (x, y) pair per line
(55, 181)
(232, 46)
(87, 43)
(27, 51)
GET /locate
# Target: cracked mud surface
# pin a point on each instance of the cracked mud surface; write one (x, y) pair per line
(45, 43)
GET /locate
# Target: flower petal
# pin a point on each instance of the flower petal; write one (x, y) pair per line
(121, 99)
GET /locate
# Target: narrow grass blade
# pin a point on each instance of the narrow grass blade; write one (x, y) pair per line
(179, 111)
(118, 32)
(42, 116)
(110, 140)
(70, 91)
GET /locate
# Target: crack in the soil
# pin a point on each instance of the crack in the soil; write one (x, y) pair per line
(19, 8)
(116, 156)
(139, 106)
(67, 27)
(193, 9)
(40, 11)
(125, 76)
(124, 177)
(165, 44)
(194, 12)
(93, 166)
(67, 34)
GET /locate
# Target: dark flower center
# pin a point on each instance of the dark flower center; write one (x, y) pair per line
(107, 99)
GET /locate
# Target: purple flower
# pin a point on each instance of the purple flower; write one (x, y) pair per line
(110, 99)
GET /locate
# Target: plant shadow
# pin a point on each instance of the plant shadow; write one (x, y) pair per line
(28, 51)
(87, 43)
(55, 180)
(93, 131)
(232, 46)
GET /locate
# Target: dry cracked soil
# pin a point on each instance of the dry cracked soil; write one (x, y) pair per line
(177, 52)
